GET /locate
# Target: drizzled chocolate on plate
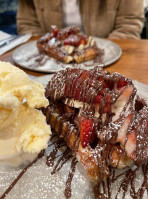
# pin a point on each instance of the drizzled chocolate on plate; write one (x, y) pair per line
(68, 45)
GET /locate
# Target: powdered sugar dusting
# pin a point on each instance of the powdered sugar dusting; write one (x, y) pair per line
(38, 182)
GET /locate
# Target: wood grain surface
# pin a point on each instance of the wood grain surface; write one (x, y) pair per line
(133, 62)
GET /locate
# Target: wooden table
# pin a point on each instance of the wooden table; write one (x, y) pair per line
(133, 62)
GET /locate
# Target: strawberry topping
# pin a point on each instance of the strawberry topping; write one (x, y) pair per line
(87, 133)
(103, 97)
(122, 83)
(98, 99)
(76, 89)
(54, 31)
(105, 85)
(82, 41)
(74, 40)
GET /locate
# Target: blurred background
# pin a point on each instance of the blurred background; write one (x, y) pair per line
(8, 11)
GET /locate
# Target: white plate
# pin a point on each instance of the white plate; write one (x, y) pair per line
(24, 56)
(38, 183)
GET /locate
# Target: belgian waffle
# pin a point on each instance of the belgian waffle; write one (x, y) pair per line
(68, 45)
(100, 117)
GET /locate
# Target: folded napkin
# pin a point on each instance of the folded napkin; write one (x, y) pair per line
(13, 43)
(4, 36)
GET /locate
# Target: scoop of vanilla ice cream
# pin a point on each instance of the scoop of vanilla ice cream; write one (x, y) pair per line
(16, 82)
(35, 132)
(22, 126)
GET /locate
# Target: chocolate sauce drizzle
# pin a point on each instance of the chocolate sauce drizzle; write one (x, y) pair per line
(50, 161)
(39, 60)
(106, 186)
(64, 157)
(41, 154)
(64, 120)
(67, 192)
(127, 180)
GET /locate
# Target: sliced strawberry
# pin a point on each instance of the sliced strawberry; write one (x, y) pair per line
(131, 145)
(108, 99)
(100, 79)
(105, 85)
(106, 108)
(121, 83)
(84, 75)
(98, 99)
(87, 133)
(77, 96)
(73, 30)
(76, 89)
(66, 32)
(61, 35)
(54, 30)
(66, 90)
(82, 41)
(72, 40)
